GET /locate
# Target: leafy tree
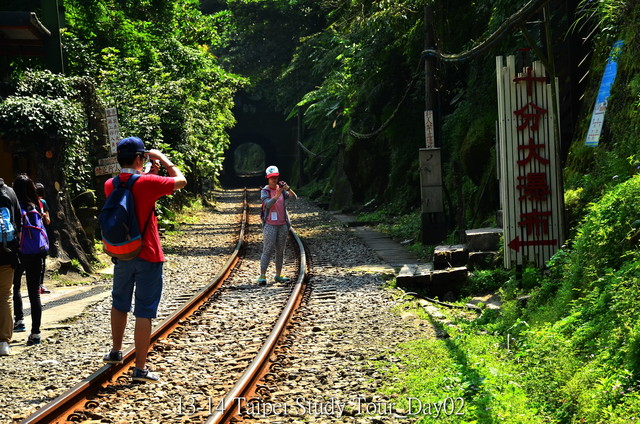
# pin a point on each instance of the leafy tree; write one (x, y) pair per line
(151, 60)
(46, 117)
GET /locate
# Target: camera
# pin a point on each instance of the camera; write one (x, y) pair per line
(282, 184)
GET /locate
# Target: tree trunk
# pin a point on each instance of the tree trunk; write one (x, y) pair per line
(66, 238)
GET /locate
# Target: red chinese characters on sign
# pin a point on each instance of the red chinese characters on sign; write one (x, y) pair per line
(532, 153)
(530, 114)
(533, 186)
(530, 80)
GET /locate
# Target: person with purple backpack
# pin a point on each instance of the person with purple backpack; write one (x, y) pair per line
(34, 246)
(47, 220)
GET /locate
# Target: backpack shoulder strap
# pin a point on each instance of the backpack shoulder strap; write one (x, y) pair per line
(132, 179)
(25, 217)
(128, 184)
(3, 191)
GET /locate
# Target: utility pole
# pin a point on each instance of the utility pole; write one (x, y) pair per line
(429, 78)
(434, 226)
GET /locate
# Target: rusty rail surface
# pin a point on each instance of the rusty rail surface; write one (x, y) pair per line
(63, 408)
(244, 389)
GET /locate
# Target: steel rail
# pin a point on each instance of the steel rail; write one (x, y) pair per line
(244, 388)
(62, 409)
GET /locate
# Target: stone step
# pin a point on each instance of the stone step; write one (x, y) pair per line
(483, 239)
(482, 260)
(414, 272)
(450, 256)
(443, 284)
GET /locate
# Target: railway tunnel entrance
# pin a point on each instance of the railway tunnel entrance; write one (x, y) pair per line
(261, 137)
(249, 158)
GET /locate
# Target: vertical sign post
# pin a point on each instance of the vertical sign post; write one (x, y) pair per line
(112, 128)
(110, 165)
(533, 199)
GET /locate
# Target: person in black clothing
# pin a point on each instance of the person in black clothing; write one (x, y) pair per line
(30, 264)
(10, 209)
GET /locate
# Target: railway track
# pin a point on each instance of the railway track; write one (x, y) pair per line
(205, 332)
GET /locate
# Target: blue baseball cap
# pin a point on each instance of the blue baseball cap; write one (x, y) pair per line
(131, 145)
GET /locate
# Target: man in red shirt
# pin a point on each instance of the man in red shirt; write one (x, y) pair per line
(142, 275)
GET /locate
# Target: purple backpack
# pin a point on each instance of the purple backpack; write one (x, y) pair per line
(33, 238)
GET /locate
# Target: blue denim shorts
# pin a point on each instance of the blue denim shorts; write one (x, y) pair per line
(146, 278)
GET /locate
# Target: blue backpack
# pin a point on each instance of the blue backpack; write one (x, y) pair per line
(33, 238)
(7, 229)
(121, 236)
(7, 232)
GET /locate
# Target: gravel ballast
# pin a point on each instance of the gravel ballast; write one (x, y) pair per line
(329, 374)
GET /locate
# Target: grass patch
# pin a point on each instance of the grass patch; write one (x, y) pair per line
(469, 377)
(70, 280)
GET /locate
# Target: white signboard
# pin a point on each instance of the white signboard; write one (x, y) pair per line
(113, 128)
(109, 169)
(428, 129)
(532, 195)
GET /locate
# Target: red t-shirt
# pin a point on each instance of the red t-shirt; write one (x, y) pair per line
(146, 191)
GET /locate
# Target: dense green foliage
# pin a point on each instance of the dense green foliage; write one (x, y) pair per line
(355, 70)
(44, 108)
(592, 171)
(564, 347)
(577, 337)
(566, 340)
(151, 60)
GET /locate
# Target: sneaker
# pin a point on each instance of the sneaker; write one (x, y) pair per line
(281, 279)
(113, 357)
(144, 375)
(44, 290)
(5, 349)
(33, 339)
(19, 326)
(262, 280)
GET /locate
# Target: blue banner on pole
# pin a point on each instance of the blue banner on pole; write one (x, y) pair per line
(608, 78)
